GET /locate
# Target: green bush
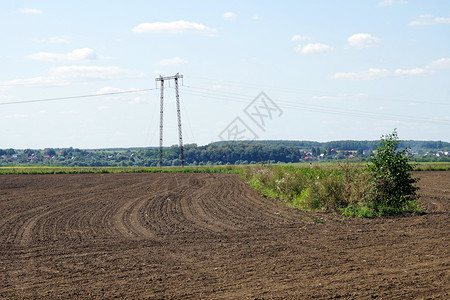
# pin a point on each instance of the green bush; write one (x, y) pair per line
(383, 187)
(394, 186)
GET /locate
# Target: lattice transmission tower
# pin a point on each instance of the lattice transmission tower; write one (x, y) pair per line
(161, 116)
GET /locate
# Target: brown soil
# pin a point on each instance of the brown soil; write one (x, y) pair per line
(209, 236)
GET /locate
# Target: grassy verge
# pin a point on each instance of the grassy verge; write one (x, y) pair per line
(345, 188)
(432, 166)
(95, 170)
(428, 166)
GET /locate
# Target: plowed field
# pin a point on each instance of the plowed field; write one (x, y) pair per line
(209, 236)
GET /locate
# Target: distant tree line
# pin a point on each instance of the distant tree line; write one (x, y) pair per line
(219, 153)
(351, 145)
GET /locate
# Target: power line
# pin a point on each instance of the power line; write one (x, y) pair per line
(313, 107)
(236, 97)
(48, 83)
(296, 91)
(76, 97)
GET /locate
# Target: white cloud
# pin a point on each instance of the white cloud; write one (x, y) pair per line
(428, 19)
(171, 62)
(23, 82)
(16, 116)
(443, 63)
(175, 27)
(415, 71)
(60, 76)
(30, 11)
(391, 2)
(313, 48)
(256, 17)
(74, 55)
(372, 73)
(300, 38)
(230, 16)
(108, 90)
(52, 40)
(363, 40)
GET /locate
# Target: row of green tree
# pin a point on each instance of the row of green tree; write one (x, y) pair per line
(213, 154)
(351, 145)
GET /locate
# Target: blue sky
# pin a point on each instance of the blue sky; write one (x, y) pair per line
(330, 70)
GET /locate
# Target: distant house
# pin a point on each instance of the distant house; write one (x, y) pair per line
(33, 159)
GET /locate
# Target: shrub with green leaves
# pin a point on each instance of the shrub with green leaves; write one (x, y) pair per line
(384, 187)
(394, 186)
